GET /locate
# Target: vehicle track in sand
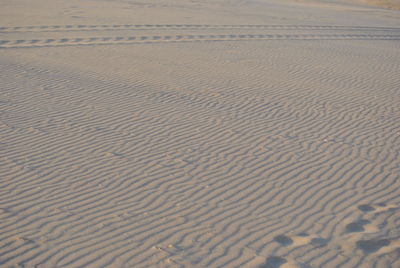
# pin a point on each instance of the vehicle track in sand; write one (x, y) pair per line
(115, 34)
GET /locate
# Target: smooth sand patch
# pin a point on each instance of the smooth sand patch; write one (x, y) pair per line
(394, 4)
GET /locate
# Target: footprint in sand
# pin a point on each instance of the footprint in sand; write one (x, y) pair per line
(299, 240)
(361, 226)
(356, 231)
(278, 262)
(377, 246)
(376, 207)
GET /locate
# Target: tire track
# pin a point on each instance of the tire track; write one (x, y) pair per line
(34, 43)
(81, 27)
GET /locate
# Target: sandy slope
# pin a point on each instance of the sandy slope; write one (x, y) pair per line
(393, 4)
(199, 134)
(389, 4)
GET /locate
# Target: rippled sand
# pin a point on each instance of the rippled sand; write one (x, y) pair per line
(199, 134)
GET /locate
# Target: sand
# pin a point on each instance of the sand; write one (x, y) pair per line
(391, 4)
(199, 134)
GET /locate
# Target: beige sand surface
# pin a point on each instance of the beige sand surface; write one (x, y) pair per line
(389, 4)
(174, 133)
(392, 4)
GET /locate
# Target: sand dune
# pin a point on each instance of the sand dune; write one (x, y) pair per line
(393, 4)
(199, 134)
(387, 4)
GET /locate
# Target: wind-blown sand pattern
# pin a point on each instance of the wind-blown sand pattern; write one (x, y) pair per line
(199, 134)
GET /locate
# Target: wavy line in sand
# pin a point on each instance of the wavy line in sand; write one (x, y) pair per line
(141, 184)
